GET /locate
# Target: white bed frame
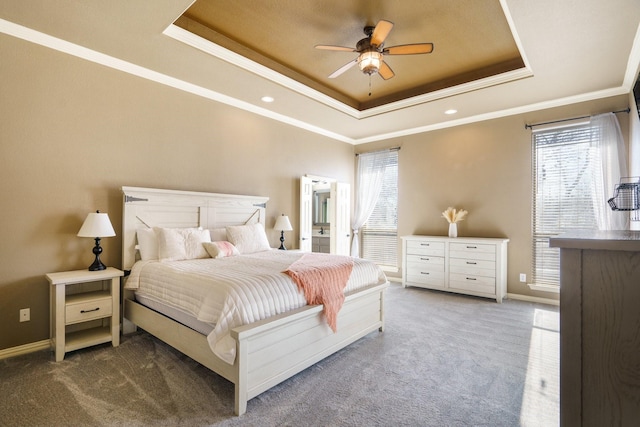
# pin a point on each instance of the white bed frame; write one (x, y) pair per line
(268, 352)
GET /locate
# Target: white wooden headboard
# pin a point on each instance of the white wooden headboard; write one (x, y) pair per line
(152, 207)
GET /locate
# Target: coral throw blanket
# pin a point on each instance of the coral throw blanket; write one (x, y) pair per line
(322, 278)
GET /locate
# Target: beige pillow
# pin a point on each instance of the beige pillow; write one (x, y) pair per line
(220, 249)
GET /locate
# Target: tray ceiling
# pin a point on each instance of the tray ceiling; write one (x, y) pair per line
(473, 41)
(571, 51)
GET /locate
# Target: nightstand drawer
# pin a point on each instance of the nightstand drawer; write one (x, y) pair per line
(87, 306)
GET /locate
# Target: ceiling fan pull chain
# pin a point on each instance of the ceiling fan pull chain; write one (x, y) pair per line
(369, 84)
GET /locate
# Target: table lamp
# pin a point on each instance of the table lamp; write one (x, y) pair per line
(97, 225)
(282, 225)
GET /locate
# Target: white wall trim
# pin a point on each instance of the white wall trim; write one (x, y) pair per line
(544, 288)
(528, 298)
(25, 349)
(499, 114)
(64, 46)
(73, 49)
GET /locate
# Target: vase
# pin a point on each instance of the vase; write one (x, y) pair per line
(453, 230)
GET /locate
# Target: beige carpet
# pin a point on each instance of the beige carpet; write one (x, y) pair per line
(443, 360)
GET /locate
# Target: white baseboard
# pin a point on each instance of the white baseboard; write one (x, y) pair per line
(25, 349)
(534, 299)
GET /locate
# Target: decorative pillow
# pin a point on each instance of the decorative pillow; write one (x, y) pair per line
(220, 249)
(218, 234)
(176, 244)
(248, 238)
(147, 244)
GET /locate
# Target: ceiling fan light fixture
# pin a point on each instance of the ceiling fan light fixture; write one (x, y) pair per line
(369, 61)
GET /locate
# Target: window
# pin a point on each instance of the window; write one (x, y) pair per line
(380, 232)
(564, 174)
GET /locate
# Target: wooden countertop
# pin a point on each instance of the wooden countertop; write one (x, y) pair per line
(612, 240)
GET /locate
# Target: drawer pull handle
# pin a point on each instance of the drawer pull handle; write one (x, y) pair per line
(472, 247)
(472, 263)
(424, 272)
(424, 244)
(424, 259)
(89, 311)
(471, 278)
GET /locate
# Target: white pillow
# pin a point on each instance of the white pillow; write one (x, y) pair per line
(175, 244)
(220, 249)
(248, 238)
(147, 244)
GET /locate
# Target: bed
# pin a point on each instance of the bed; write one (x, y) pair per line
(261, 353)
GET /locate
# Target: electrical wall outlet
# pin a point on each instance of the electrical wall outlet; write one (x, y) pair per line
(523, 277)
(25, 314)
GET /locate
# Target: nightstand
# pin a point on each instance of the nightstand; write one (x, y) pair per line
(85, 309)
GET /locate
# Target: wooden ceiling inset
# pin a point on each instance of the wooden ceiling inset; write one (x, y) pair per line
(472, 41)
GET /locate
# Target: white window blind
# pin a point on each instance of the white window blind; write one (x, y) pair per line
(380, 232)
(563, 179)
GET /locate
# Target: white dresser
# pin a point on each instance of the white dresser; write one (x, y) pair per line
(467, 265)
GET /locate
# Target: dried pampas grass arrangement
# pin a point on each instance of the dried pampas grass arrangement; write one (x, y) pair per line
(453, 215)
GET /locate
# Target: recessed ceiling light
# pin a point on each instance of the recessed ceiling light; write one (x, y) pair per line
(267, 99)
(451, 111)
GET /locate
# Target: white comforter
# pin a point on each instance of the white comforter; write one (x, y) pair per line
(233, 291)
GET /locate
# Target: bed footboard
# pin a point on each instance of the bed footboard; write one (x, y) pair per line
(273, 350)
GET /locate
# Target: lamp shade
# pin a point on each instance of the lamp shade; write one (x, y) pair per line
(96, 225)
(283, 224)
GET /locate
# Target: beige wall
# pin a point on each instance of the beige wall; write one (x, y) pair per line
(485, 168)
(72, 133)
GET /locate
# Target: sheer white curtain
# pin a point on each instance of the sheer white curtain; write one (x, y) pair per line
(369, 183)
(611, 164)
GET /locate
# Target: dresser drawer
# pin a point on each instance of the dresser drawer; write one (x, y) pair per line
(433, 279)
(425, 261)
(87, 306)
(473, 267)
(472, 283)
(425, 248)
(474, 251)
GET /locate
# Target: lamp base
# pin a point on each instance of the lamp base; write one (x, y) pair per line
(97, 264)
(282, 248)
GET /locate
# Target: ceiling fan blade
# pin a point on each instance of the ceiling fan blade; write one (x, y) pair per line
(380, 33)
(409, 49)
(344, 68)
(385, 71)
(338, 48)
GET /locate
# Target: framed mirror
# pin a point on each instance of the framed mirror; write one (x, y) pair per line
(321, 205)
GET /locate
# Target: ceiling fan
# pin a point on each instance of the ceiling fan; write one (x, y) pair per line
(371, 51)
